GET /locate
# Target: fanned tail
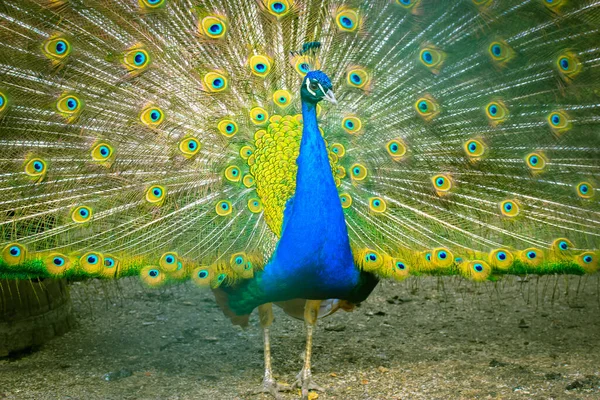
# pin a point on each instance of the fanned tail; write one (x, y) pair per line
(160, 138)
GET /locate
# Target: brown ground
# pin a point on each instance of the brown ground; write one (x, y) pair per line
(417, 339)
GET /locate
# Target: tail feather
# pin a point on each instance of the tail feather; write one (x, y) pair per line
(131, 131)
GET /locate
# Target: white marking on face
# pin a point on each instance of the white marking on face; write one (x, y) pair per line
(309, 89)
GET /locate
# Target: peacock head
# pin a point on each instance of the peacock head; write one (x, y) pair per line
(316, 86)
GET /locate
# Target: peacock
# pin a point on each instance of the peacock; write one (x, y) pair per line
(297, 152)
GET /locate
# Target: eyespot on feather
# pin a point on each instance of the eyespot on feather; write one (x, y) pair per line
(510, 208)
(442, 183)
(92, 263)
(57, 264)
(358, 77)
(442, 257)
(588, 260)
(535, 161)
(346, 200)
(152, 276)
(496, 112)
(69, 106)
(500, 52)
(347, 20)
(474, 149)
(57, 48)
(102, 152)
(358, 172)
(81, 214)
(352, 125)
(152, 116)
(396, 149)
(246, 152)
(136, 59)
(585, 190)
(279, 8)
(151, 5)
(427, 107)
(304, 64)
(260, 65)
(259, 116)
(532, 256)
(562, 248)
(3, 103)
(255, 205)
(14, 254)
(223, 208)
(156, 195)
(568, 65)
(215, 82)
(433, 58)
(370, 260)
(111, 266)
(227, 127)
(399, 270)
(476, 270)
(169, 262)
(338, 149)
(203, 276)
(241, 265)
(559, 122)
(501, 259)
(233, 173)
(189, 146)
(36, 168)
(213, 27)
(409, 4)
(248, 181)
(282, 98)
(377, 204)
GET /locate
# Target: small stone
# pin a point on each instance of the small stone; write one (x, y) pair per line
(116, 375)
(495, 363)
(552, 376)
(576, 384)
(335, 328)
(523, 324)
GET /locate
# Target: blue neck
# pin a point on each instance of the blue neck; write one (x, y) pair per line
(315, 188)
(313, 257)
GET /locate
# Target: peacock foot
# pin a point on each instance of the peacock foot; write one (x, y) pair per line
(305, 383)
(270, 386)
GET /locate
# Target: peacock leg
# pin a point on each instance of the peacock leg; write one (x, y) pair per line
(304, 379)
(269, 385)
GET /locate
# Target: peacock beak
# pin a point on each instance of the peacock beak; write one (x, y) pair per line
(330, 97)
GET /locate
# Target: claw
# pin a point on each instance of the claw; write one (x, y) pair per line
(305, 383)
(273, 388)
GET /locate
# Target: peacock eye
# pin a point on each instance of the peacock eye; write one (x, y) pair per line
(314, 86)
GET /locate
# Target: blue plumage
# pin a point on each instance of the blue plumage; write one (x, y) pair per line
(313, 258)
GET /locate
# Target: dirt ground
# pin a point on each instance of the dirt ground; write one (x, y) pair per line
(427, 338)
